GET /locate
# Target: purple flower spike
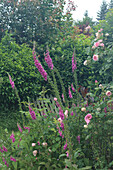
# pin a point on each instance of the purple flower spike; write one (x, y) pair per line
(32, 113)
(78, 139)
(12, 137)
(70, 95)
(72, 88)
(4, 149)
(39, 67)
(19, 128)
(12, 159)
(65, 146)
(11, 82)
(48, 60)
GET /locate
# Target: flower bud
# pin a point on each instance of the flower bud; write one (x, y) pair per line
(35, 152)
(83, 109)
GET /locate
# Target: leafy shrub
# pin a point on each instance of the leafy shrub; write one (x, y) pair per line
(17, 60)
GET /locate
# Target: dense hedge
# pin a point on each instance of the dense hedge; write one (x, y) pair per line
(18, 62)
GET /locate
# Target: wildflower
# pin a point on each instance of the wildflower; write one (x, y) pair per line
(44, 144)
(96, 81)
(33, 144)
(102, 44)
(85, 63)
(63, 98)
(87, 118)
(66, 113)
(74, 63)
(67, 154)
(60, 120)
(55, 99)
(98, 109)
(12, 137)
(100, 85)
(108, 93)
(106, 34)
(4, 149)
(78, 139)
(50, 150)
(97, 44)
(95, 57)
(12, 159)
(11, 82)
(38, 143)
(48, 60)
(35, 152)
(65, 146)
(70, 95)
(83, 109)
(27, 128)
(19, 128)
(61, 114)
(85, 126)
(62, 126)
(72, 88)
(32, 113)
(39, 67)
(88, 28)
(72, 113)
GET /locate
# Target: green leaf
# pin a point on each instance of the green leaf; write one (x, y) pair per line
(62, 155)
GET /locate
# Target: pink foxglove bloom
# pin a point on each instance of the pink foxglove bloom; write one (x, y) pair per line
(88, 117)
(72, 88)
(108, 93)
(19, 128)
(27, 128)
(78, 139)
(63, 97)
(61, 114)
(95, 57)
(32, 113)
(74, 63)
(48, 60)
(62, 126)
(11, 82)
(67, 154)
(12, 137)
(39, 67)
(70, 95)
(4, 149)
(65, 146)
(38, 143)
(72, 113)
(12, 159)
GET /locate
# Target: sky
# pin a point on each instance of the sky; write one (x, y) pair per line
(93, 6)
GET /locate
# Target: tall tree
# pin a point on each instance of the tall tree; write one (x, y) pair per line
(103, 10)
(111, 4)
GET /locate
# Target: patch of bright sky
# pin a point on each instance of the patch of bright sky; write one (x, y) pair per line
(93, 6)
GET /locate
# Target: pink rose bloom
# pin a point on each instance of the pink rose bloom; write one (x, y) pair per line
(102, 44)
(55, 99)
(87, 118)
(95, 57)
(44, 144)
(97, 44)
(99, 41)
(96, 81)
(33, 144)
(108, 93)
(35, 152)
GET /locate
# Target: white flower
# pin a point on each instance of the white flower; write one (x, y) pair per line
(33, 144)
(85, 62)
(66, 113)
(44, 144)
(106, 34)
(60, 120)
(83, 109)
(35, 152)
(85, 126)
